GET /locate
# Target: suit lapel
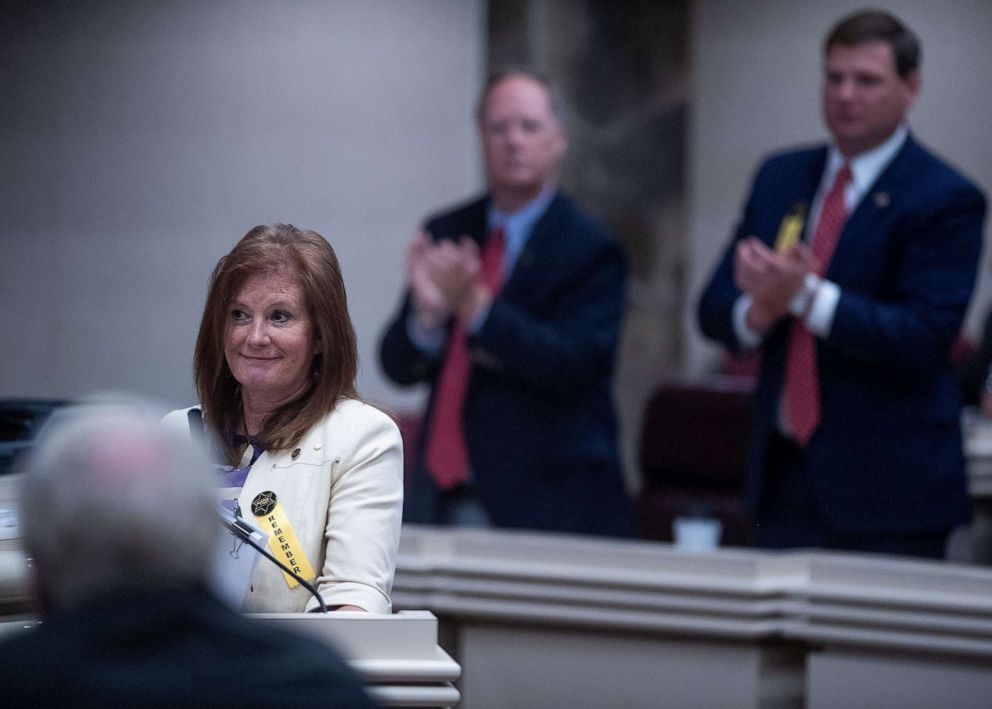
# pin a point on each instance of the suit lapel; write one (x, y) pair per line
(475, 222)
(796, 196)
(876, 204)
(807, 185)
(532, 258)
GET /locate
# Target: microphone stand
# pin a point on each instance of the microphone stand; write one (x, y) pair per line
(243, 532)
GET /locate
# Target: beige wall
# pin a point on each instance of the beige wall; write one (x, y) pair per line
(756, 68)
(140, 140)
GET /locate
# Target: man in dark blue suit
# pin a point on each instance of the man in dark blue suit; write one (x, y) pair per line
(512, 315)
(858, 442)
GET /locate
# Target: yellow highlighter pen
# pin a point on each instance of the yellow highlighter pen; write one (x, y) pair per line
(791, 228)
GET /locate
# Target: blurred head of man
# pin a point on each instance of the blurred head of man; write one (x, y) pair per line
(110, 500)
(523, 138)
(871, 79)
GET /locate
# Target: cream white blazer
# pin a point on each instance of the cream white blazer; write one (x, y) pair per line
(343, 494)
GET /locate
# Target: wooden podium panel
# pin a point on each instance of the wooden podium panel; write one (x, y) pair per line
(841, 678)
(556, 621)
(397, 655)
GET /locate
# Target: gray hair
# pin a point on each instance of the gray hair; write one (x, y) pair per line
(110, 498)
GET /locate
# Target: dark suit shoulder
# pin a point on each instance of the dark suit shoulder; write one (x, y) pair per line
(919, 164)
(567, 218)
(798, 159)
(577, 242)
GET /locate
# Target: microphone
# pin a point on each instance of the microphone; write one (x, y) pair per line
(242, 530)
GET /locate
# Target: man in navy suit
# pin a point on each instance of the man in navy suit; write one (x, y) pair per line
(857, 443)
(512, 315)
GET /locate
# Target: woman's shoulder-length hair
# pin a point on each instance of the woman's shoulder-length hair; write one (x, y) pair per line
(308, 256)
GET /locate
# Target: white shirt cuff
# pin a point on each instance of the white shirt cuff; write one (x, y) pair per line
(747, 338)
(429, 342)
(820, 316)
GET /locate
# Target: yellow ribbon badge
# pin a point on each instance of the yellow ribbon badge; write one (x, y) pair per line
(283, 541)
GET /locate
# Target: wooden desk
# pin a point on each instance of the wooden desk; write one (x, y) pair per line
(554, 621)
(397, 655)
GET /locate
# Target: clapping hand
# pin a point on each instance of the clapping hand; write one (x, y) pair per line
(441, 276)
(770, 278)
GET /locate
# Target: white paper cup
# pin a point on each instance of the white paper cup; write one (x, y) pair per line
(696, 534)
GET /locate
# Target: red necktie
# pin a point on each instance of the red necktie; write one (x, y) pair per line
(447, 453)
(802, 387)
